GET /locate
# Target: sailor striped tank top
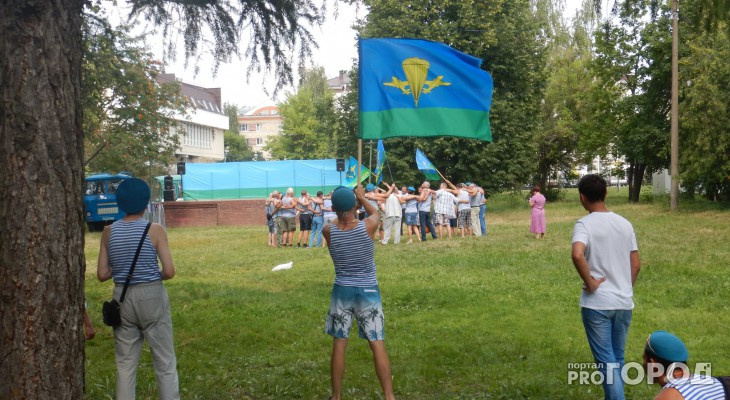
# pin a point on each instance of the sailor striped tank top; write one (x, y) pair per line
(698, 387)
(123, 242)
(353, 253)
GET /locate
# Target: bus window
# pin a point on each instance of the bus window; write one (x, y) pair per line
(113, 185)
(94, 187)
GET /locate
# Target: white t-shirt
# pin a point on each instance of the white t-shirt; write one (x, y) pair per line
(392, 206)
(609, 240)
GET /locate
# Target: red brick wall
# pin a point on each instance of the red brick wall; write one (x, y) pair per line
(212, 213)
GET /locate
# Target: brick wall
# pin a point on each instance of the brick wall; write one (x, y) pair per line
(212, 213)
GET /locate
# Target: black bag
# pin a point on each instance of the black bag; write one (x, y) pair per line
(111, 311)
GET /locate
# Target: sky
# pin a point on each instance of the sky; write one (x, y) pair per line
(337, 50)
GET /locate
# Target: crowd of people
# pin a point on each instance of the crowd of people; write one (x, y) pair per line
(452, 210)
(609, 272)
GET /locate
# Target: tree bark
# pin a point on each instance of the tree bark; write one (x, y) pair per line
(635, 179)
(41, 211)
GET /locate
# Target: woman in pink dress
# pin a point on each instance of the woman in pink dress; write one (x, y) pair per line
(537, 220)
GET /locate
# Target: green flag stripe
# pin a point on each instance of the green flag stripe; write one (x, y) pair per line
(425, 122)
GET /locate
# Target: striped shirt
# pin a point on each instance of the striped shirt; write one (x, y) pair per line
(698, 387)
(444, 203)
(123, 242)
(353, 253)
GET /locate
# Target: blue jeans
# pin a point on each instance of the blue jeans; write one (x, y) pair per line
(425, 218)
(316, 234)
(607, 331)
(483, 224)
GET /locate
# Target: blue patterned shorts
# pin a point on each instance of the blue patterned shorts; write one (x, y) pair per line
(362, 303)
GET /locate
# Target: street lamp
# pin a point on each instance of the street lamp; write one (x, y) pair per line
(226, 150)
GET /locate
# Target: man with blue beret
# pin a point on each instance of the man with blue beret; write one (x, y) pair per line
(666, 355)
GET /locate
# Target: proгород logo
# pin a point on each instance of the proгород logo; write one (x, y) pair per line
(631, 373)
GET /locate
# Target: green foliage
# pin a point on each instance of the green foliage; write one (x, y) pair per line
(127, 114)
(632, 70)
(506, 35)
(237, 148)
(566, 108)
(277, 30)
(705, 117)
(308, 121)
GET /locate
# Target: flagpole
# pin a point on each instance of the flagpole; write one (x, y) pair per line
(359, 161)
(370, 152)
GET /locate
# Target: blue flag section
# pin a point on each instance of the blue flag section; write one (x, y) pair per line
(426, 166)
(412, 87)
(351, 175)
(378, 171)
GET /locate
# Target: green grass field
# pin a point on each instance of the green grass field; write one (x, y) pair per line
(478, 318)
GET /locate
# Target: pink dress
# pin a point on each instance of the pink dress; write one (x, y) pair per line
(537, 220)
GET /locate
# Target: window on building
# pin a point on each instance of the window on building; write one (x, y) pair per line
(259, 140)
(258, 127)
(198, 136)
(243, 128)
(274, 112)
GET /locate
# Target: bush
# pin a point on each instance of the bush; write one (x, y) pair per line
(554, 194)
(646, 195)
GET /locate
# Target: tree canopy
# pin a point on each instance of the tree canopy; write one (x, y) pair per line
(128, 115)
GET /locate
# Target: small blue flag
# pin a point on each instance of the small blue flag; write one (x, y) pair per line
(351, 175)
(378, 171)
(426, 166)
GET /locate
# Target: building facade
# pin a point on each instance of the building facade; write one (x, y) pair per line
(258, 125)
(201, 130)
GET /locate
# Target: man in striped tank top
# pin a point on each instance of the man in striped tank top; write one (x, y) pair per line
(667, 353)
(355, 293)
(145, 311)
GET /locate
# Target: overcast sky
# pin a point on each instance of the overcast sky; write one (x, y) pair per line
(337, 49)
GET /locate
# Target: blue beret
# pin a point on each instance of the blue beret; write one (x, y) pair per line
(468, 183)
(370, 187)
(343, 199)
(411, 188)
(666, 346)
(133, 194)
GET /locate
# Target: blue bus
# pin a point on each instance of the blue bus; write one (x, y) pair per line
(100, 200)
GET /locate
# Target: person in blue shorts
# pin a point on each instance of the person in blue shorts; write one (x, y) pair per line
(355, 294)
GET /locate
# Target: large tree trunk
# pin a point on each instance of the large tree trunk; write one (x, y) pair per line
(635, 179)
(41, 212)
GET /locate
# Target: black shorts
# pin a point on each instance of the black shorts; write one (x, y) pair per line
(452, 222)
(305, 222)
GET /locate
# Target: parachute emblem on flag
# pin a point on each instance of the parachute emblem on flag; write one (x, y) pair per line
(416, 70)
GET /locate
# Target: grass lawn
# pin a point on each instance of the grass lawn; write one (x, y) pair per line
(475, 318)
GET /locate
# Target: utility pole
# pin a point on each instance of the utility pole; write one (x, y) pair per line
(674, 195)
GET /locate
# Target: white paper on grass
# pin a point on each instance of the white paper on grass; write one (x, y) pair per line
(283, 266)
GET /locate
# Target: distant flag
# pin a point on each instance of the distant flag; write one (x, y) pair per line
(351, 175)
(426, 166)
(413, 87)
(378, 171)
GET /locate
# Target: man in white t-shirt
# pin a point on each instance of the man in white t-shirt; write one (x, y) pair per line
(393, 214)
(606, 256)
